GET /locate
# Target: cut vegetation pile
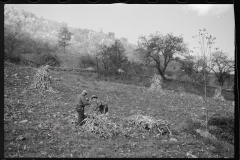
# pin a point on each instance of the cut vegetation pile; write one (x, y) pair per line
(100, 126)
(156, 84)
(42, 80)
(159, 127)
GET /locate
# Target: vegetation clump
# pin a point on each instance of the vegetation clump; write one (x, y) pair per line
(42, 80)
(100, 126)
(224, 127)
(156, 84)
(160, 127)
(48, 59)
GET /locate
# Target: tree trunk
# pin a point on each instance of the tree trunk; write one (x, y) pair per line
(159, 71)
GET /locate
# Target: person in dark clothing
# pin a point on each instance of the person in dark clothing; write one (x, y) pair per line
(82, 101)
(99, 106)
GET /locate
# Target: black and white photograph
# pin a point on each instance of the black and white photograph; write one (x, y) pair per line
(119, 80)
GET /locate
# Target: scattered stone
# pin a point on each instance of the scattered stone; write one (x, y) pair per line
(173, 140)
(213, 127)
(23, 121)
(21, 138)
(40, 125)
(200, 98)
(205, 134)
(211, 147)
(189, 154)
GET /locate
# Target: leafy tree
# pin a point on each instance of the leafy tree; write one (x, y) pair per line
(190, 67)
(221, 66)
(159, 49)
(112, 57)
(20, 30)
(86, 61)
(199, 75)
(111, 34)
(13, 30)
(103, 58)
(117, 56)
(64, 36)
(49, 59)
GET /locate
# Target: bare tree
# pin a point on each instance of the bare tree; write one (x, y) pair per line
(221, 66)
(160, 49)
(205, 42)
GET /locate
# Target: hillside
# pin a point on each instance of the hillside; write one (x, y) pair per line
(41, 124)
(39, 35)
(31, 37)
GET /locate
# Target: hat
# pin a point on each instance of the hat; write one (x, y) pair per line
(84, 91)
(93, 96)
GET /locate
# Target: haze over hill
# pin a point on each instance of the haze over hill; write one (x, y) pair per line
(41, 31)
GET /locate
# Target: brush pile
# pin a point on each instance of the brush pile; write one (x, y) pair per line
(100, 126)
(160, 127)
(42, 79)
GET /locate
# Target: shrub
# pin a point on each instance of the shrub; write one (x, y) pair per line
(225, 126)
(12, 58)
(221, 121)
(48, 59)
(190, 126)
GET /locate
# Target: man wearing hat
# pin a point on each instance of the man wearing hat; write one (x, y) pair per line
(99, 105)
(82, 101)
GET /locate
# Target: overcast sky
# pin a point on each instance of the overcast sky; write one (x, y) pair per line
(131, 21)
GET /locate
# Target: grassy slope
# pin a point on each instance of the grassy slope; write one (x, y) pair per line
(49, 131)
